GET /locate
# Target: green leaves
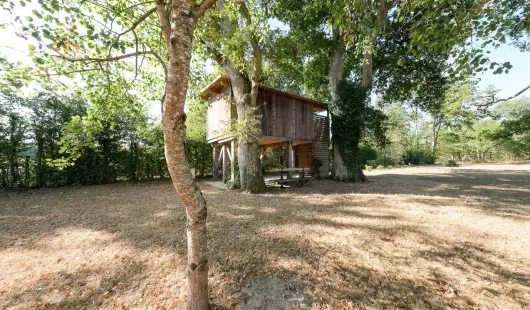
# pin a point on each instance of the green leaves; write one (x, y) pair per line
(36, 13)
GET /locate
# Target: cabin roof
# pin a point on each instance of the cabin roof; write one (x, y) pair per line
(222, 81)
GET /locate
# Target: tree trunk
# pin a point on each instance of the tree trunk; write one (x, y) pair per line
(248, 155)
(339, 170)
(105, 143)
(178, 36)
(245, 91)
(27, 175)
(40, 158)
(3, 177)
(13, 154)
(437, 124)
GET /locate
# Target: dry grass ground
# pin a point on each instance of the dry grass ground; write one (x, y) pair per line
(409, 239)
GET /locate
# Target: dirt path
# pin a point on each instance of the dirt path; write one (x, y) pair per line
(411, 238)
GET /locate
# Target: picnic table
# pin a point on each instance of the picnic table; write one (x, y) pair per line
(303, 177)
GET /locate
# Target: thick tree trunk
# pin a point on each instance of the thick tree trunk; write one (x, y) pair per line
(339, 170)
(245, 91)
(248, 155)
(179, 39)
(367, 70)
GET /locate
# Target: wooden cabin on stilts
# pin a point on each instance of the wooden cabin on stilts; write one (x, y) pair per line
(297, 126)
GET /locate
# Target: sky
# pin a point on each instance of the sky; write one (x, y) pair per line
(518, 77)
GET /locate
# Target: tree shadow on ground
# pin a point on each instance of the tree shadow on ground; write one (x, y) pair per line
(344, 244)
(501, 192)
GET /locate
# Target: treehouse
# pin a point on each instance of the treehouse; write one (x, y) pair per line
(296, 127)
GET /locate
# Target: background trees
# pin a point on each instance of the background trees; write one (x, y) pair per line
(31, 131)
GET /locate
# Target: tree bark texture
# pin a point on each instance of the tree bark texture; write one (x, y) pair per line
(248, 155)
(245, 91)
(340, 171)
(178, 34)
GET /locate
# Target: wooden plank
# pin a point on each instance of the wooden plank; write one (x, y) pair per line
(268, 105)
(215, 167)
(280, 107)
(274, 128)
(292, 119)
(224, 151)
(297, 119)
(310, 130)
(232, 159)
(261, 112)
(290, 158)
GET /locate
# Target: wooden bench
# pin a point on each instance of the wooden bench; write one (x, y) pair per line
(304, 175)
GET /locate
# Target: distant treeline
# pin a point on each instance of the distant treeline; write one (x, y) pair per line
(126, 148)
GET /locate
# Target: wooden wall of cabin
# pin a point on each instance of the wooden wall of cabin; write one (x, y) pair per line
(219, 113)
(305, 155)
(321, 144)
(285, 117)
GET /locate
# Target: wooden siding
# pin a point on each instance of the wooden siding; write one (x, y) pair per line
(219, 114)
(283, 116)
(321, 143)
(305, 155)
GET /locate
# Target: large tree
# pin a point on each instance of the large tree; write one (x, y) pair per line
(223, 37)
(107, 39)
(394, 46)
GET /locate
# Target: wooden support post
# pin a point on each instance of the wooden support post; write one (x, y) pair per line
(290, 159)
(215, 167)
(226, 163)
(233, 159)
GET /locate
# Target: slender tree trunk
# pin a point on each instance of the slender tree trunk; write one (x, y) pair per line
(13, 154)
(3, 177)
(106, 154)
(178, 35)
(40, 156)
(27, 175)
(437, 124)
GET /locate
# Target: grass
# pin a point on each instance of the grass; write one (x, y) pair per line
(408, 239)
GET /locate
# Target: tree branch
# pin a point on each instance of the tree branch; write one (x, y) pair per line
(159, 59)
(164, 25)
(205, 5)
(512, 97)
(256, 49)
(72, 72)
(107, 59)
(138, 21)
(213, 52)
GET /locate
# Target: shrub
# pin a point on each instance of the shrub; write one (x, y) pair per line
(417, 157)
(390, 167)
(372, 163)
(451, 163)
(380, 167)
(234, 183)
(367, 153)
(369, 168)
(385, 160)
